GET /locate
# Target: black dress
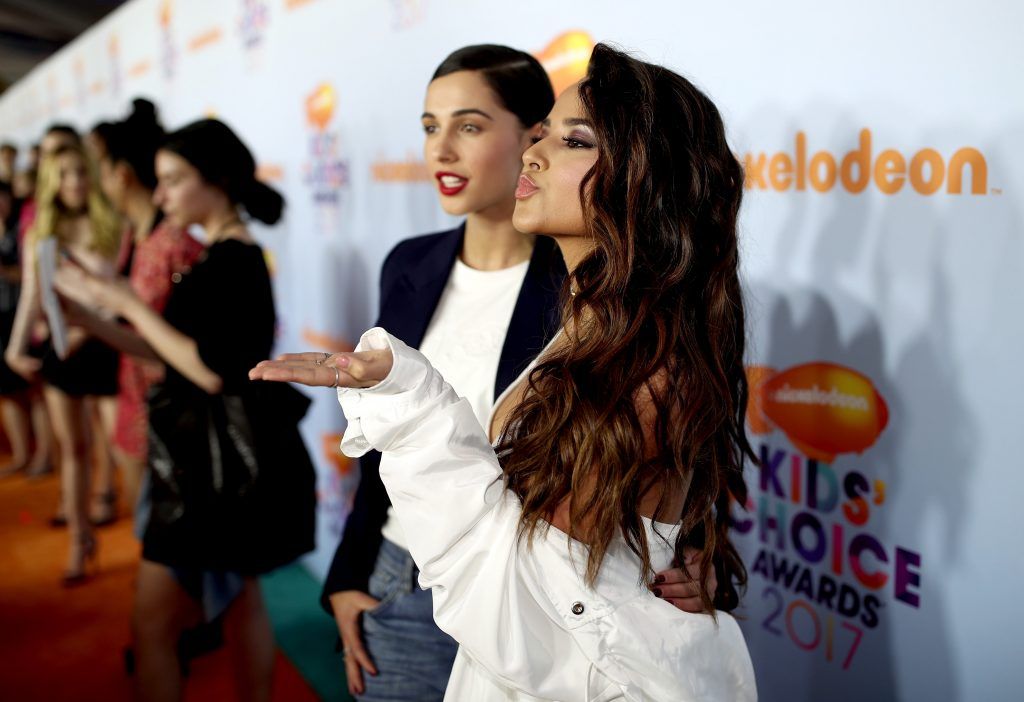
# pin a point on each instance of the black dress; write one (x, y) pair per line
(205, 517)
(91, 369)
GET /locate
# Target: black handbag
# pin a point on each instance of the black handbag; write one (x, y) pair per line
(214, 463)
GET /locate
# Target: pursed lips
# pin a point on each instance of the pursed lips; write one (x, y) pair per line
(526, 187)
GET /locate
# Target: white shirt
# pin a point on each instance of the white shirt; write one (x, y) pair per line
(529, 627)
(464, 341)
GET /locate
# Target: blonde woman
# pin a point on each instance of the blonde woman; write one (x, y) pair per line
(71, 209)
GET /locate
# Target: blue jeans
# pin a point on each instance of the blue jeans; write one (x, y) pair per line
(413, 657)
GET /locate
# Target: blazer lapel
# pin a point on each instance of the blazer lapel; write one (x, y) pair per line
(411, 304)
(536, 314)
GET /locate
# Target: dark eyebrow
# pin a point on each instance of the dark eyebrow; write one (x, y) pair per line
(570, 122)
(460, 113)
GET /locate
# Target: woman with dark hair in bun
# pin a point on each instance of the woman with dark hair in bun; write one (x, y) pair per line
(231, 489)
(155, 250)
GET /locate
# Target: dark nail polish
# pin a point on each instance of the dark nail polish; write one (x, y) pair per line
(657, 592)
(659, 578)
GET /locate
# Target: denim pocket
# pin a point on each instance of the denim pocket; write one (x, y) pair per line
(383, 584)
(388, 580)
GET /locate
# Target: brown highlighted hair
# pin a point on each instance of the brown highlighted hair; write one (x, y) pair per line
(656, 329)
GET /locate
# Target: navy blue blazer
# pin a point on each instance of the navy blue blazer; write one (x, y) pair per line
(411, 282)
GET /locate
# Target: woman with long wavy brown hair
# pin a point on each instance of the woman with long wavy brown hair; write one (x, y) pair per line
(626, 436)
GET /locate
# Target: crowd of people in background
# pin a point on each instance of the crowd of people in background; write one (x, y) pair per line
(149, 408)
(160, 329)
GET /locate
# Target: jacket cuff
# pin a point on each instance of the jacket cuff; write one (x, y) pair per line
(374, 414)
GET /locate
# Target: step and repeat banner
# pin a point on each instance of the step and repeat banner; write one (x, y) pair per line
(883, 243)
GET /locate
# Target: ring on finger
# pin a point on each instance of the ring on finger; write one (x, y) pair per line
(337, 377)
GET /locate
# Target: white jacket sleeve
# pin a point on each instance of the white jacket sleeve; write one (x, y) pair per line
(523, 612)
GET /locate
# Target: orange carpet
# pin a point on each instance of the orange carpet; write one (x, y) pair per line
(60, 644)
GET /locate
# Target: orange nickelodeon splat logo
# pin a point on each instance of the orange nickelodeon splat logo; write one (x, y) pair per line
(824, 409)
(566, 58)
(331, 445)
(166, 11)
(320, 106)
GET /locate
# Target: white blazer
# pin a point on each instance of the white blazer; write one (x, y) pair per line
(528, 626)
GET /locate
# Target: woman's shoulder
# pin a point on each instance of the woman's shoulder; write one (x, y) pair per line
(234, 249)
(234, 258)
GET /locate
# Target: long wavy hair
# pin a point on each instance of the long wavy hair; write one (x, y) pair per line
(103, 221)
(656, 335)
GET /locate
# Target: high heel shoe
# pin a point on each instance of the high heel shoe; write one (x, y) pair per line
(59, 520)
(39, 470)
(12, 468)
(107, 512)
(73, 578)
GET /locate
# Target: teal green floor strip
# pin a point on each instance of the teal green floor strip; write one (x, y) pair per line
(304, 633)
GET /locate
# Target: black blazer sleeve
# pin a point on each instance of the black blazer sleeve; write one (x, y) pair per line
(356, 554)
(360, 542)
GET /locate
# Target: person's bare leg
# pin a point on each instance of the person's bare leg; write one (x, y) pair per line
(45, 448)
(67, 415)
(101, 433)
(103, 419)
(162, 611)
(132, 468)
(250, 638)
(15, 423)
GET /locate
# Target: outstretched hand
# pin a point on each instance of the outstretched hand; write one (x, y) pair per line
(358, 369)
(89, 290)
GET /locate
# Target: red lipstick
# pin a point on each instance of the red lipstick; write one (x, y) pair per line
(450, 183)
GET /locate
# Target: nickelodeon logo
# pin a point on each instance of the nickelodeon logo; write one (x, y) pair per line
(320, 105)
(889, 170)
(823, 409)
(140, 68)
(566, 58)
(205, 39)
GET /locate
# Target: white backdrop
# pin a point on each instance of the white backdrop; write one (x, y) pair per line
(885, 286)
